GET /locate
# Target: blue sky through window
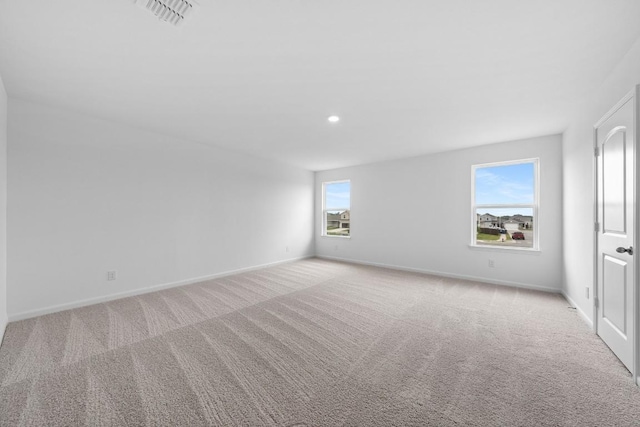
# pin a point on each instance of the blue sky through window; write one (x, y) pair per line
(337, 195)
(505, 185)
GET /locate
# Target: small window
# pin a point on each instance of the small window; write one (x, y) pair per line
(505, 204)
(336, 210)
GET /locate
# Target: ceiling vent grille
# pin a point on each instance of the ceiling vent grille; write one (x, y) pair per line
(171, 11)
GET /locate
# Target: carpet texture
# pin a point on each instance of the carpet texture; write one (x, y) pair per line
(316, 343)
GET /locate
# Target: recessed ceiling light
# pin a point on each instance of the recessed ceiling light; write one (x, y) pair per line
(334, 119)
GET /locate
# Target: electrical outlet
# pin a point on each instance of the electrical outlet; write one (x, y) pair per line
(586, 292)
(335, 248)
(492, 263)
(286, 249)
(112, 275)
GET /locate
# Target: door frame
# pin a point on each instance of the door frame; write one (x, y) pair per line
(635, 95)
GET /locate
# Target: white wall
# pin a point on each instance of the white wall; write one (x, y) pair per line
(415, 213)
(3, 209)
(578, 179)
(88, 195)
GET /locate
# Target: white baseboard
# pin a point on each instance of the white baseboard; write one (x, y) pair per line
(581, 313)
(3, 329)
(445, 274)
(90, 301)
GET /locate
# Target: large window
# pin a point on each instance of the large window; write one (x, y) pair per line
(505, 204)
(336, 208)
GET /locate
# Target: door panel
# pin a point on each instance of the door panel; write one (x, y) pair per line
(616, 212)
(613, 173)
(614, 307)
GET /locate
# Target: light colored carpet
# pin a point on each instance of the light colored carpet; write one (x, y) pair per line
(316, 343)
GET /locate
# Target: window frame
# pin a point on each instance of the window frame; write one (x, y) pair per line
(324, 209)
(535, 206)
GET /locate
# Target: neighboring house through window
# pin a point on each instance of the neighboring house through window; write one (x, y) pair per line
(505, 204)
(336, 208)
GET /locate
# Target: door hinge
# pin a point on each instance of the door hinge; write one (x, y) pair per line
(596, 227)
(596, 151)
(596, 302)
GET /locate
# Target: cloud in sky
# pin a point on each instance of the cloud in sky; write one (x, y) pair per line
(508, 184)
(338, 195)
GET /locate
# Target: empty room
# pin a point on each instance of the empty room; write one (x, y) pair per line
(319, 213)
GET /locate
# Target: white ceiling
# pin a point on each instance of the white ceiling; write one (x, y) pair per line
(407, 77)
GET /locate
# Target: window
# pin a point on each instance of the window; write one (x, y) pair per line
(505, 204)
(336, 208)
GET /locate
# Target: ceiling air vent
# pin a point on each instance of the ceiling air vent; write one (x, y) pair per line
(171, 11)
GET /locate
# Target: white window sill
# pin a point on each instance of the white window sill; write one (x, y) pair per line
(529, 251)
(336, 237)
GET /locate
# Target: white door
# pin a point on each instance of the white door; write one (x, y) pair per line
(615, 147)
